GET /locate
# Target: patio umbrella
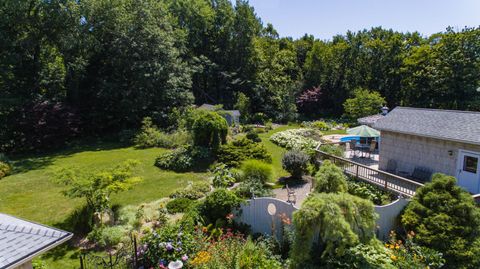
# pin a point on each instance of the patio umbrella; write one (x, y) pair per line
(363, 131)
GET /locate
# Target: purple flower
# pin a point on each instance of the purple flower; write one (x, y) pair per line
(178, 249)
(169, 246)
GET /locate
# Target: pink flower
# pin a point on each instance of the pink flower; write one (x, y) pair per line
(184, 257)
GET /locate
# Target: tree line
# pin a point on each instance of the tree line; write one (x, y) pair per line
(74, 68)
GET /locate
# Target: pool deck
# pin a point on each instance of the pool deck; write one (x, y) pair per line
(335, 138)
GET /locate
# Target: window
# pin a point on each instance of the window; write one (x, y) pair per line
(470, 164)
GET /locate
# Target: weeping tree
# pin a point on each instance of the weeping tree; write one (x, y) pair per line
(209, 129)
(328, 224)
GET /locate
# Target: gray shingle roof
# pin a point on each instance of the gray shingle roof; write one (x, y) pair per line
(234, 112)
(22, 240)
(455, 125)
(370, 120)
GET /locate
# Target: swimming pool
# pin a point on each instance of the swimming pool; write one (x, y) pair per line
(348, 138)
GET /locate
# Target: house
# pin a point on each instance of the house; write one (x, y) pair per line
(445, 141)
(21, 241)
(231, 116)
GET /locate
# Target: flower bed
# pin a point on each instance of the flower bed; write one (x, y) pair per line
(301, 139)
(174, 248)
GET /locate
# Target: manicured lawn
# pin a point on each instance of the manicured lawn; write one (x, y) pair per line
(276, 151)
(31, 194)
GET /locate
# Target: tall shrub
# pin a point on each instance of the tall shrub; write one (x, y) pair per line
(295, 162)
(40, 125)
(445, 217)
(219, 204)
(256, 171)
(330, 178)
(209, 129)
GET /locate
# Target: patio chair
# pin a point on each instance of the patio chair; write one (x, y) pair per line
(421, 174)
(371, 149)
(291, 194)
(352, 144)
(391, 166)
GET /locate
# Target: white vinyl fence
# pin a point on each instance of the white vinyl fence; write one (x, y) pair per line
(388, 217)
(265, 216)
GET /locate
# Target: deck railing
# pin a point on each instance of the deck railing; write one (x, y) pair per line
(382, 179)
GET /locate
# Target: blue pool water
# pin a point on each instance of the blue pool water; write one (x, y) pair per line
(348, 138)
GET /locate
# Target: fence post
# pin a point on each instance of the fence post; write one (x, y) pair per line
(81, 261)
(356, 173)
(135, 260)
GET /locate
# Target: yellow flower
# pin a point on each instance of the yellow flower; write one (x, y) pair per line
(393, 257)
(201, 258)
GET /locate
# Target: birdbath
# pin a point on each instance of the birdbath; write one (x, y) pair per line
(175, 265)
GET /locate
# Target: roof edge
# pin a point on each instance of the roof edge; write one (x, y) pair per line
(436, 109)
(48, 247)
(429, 136)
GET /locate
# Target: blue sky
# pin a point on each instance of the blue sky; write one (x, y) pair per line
(325, 18)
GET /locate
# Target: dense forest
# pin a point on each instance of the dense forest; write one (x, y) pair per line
(73, 68)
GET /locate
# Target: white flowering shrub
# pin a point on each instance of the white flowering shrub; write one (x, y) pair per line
(299, 139)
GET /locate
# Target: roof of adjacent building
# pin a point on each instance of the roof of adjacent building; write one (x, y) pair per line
(234, 112)
(370, 120)
(213, 107)
(21, 240)
(454, 125)
(207, 107)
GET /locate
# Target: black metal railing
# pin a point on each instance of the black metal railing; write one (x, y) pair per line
(382, 179)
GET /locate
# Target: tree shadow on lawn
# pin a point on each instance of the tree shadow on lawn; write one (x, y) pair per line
(294, 182)
(23, 163)
(60, 252)
(79, 222)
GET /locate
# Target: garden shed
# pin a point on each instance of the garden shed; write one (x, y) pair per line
(433, 140)
(231, 116)
(21, 241)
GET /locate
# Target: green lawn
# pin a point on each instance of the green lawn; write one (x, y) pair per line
(30, 193)
(276, 151)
